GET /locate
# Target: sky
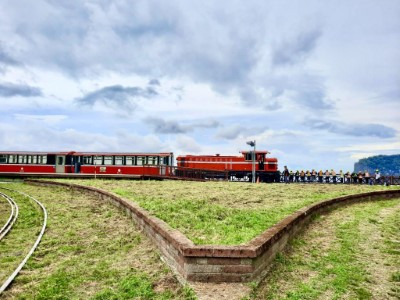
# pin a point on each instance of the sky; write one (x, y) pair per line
(316, 83)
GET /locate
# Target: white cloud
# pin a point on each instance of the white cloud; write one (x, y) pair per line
(372, 147)
(47, 119)
(222, 72)
(186, 144)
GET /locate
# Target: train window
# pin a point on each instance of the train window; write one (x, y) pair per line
(163, 160)
(152, 160)
(130, 160)
(88, 160)
(119, 160)
(40, 159)
(108, 160)
(98, 160)
(22, 159)
(140, 160)
(3, 159)
(29, 159)
(12, 159)
(34, 159)
(249, 156)
(49, 159)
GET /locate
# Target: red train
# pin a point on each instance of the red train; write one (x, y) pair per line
(86, 163)
(236, 167)
(142, 164)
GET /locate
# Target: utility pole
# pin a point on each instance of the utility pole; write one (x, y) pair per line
(253, 167)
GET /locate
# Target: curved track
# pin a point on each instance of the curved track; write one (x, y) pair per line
(13, 216)
(21, 265)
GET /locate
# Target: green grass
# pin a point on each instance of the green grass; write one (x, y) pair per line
(20, 239)
(340, 256)
(90, 250)
(223, 212)
(5, 210)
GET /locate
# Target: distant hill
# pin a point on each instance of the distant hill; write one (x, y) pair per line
(387, 164)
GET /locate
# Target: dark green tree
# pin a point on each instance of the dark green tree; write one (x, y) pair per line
(386, 164)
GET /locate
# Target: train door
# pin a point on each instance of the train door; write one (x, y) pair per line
(60, 164)
(261, 162)
(163, 170)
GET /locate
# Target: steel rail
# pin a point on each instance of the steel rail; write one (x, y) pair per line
(18, 269)
(13, 216)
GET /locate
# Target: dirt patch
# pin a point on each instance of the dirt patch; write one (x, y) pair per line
(220, 291)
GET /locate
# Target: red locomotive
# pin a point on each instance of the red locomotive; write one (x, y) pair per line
(236, 167)
(86, 163)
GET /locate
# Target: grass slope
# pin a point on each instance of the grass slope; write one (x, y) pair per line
(90, 250)
(223, 212)
(351, 253)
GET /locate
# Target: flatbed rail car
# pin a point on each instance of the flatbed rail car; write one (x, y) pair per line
(236, 167)
(101, 163)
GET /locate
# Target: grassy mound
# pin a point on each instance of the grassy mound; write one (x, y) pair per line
(223, 213)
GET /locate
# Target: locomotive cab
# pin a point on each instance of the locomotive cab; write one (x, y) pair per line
(259, 158)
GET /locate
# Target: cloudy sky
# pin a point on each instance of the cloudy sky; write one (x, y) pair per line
(316, 83)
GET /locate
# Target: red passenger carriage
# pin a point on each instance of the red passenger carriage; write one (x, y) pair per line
(85, 163)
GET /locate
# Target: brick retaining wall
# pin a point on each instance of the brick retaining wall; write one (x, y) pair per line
(242, 263)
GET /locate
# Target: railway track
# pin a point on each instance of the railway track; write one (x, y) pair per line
(9, 224)
(12, 218)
